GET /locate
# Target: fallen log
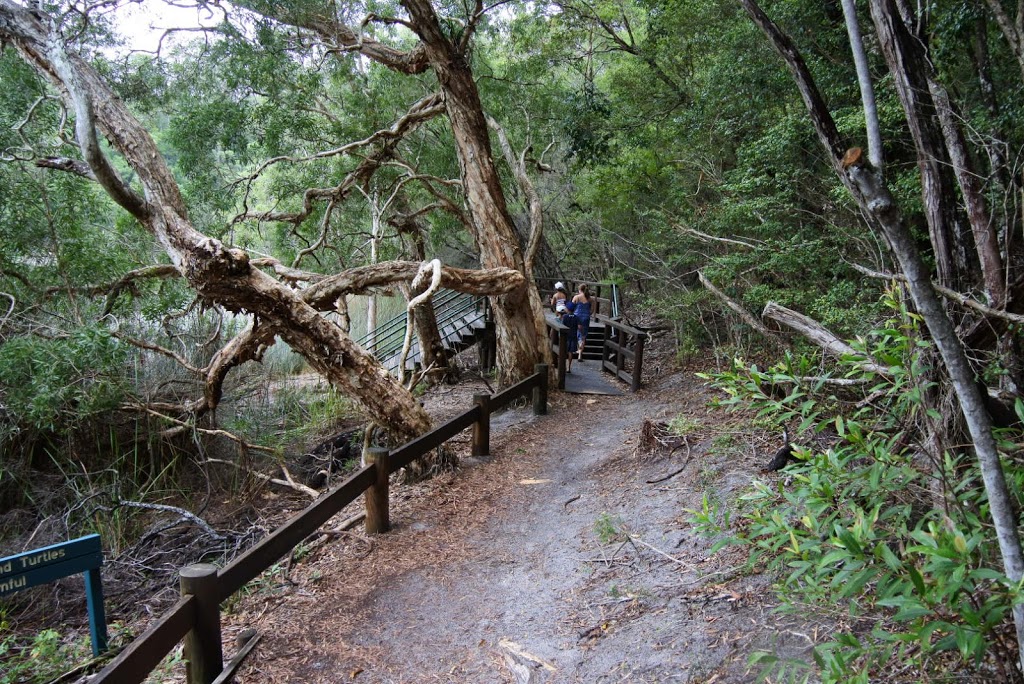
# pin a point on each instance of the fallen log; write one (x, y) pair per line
(821, 336)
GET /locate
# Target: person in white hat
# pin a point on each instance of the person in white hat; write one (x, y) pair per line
(560, 296)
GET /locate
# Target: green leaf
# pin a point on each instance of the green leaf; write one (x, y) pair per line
(916, 578)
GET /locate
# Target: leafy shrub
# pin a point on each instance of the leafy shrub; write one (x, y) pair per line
(42, 659)
(861, 526)
(54, 384)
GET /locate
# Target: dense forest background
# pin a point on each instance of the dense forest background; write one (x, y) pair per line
(320, 153)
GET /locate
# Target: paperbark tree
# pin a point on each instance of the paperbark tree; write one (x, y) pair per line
(518, 326)
(218, 273)
(868, 187)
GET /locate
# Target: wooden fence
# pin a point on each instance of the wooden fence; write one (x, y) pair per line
(195, 618)
(622, 343)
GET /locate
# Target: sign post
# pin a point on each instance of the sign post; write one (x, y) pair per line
(51, 563)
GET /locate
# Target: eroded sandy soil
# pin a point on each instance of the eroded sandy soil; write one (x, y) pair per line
(559, 558)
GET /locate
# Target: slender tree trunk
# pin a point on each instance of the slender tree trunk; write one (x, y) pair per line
(907, 64)
(986, 240)
(1012, 31)
(371, 300)
(876, 154)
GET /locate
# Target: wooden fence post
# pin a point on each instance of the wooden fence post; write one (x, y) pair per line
(376, 497)
(202, 644)
(638, 362)
(620, 356)
(604, 345)
(482, 427)
(563, 342)
(540, 392)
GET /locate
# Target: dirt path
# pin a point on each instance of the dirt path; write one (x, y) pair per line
(554, 560)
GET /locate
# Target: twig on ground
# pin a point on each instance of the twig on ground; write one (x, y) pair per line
(290, 483)
(185, 515)
(670, 557)
(689, 456)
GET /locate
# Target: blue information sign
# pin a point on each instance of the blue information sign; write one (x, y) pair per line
(51, 563)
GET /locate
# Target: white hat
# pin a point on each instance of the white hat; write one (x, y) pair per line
(559, 285)
(560, 306)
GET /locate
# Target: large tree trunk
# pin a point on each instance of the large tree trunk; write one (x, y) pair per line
(516, 322)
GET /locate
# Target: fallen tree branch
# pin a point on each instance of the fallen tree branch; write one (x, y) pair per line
(747, 317)
(289, 483)
(821, 336)
(181, 426)
(704, 237)
(185, 515)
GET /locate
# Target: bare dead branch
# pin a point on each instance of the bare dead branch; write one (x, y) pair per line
(290, 483)
(185, 515)
(156, 348)
(747, 317)
(704, 237)
(961, 299)
(821, 336)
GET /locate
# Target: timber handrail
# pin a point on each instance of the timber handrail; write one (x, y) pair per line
(196, 616)
(622, 343)
(560, 333)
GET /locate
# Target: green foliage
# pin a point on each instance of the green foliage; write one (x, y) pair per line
(288, 415)
(857, 526)
(56, 384)
(682, 424)
(608, 528)
(40, 659)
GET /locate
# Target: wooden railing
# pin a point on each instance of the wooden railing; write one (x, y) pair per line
(560, 344)
(622, 343)
(195, 618)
